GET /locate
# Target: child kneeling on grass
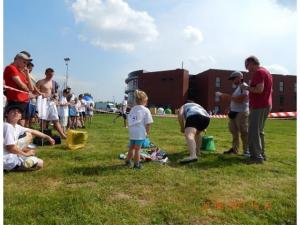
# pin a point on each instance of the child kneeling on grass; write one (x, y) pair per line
(139, 122)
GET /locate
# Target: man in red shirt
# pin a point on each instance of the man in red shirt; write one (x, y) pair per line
(16, 75)
(260, 104)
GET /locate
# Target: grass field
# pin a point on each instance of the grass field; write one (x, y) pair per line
(91, 185)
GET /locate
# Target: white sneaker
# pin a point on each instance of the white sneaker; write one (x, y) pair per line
(188, 160)
(246, 154)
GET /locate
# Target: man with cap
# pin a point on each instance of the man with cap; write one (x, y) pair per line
(123, 111)
(16, 76)
(260, 104)
(238, 114)
(16, 156)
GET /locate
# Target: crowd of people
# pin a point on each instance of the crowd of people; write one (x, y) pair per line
(249, 108)
(29, 101)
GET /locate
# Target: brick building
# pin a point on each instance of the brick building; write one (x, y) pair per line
(173, 87)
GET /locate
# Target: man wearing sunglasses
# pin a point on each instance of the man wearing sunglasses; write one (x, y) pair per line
(16, 76)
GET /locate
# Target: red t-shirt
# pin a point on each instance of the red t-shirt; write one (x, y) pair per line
(263, 99)
(10, 72)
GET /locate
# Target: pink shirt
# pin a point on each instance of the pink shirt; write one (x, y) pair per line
(263, 99)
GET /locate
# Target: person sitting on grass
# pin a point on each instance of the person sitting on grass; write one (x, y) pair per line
(16, 157)
(193, 119)
(139, 122)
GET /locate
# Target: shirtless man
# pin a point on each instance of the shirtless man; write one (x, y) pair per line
(47, 86)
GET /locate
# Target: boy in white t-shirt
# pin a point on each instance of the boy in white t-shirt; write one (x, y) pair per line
(139, 122)
(13, 156)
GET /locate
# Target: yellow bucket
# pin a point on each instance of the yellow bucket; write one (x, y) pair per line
(76, 139)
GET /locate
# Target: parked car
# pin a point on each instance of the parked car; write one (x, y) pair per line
(106, 106)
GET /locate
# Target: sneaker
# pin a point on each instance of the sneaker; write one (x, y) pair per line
(265, 157)
(231, 151)
(137, 166)
(188, 160)
(246, 154)
(255, 161)
(128, 163)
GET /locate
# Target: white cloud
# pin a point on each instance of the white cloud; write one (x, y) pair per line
(277, 69)
(193, 34)
(112, 24)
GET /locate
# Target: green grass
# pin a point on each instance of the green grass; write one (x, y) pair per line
(91, 185)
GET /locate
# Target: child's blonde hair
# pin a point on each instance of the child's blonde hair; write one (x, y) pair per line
(140, 97)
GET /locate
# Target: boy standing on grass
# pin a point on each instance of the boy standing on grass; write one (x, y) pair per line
(139, 122)
(15, 157)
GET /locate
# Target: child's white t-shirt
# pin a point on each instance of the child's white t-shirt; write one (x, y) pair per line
(11, 134)
(138, 117)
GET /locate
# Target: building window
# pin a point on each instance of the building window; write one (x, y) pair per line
(217, 98)
(218, 82)
(281, 86)
(281, 100)
(295, 87)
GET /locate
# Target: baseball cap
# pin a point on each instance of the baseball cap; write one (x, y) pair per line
(235, 74)
(23, 56)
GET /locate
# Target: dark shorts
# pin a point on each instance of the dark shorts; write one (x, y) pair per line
(197, 121)
(30, 111)
(22, 105)
(123, 115)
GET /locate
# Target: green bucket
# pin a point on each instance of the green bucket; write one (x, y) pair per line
(208, 144)
(168, 111)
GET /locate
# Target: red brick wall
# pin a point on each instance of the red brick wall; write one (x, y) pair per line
(165, 88)
(172, 88)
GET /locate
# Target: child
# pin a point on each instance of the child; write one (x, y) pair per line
(73, 114)
(139, 121)
(15, 156)
(90, 112)
(64, 110)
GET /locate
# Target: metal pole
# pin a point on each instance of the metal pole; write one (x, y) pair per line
(67, 76)
(67, 71)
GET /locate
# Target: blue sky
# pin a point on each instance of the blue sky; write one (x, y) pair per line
(107, 39)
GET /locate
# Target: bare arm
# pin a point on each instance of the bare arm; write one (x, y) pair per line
(15, 150)
(27, 75)
(258, 88)
(41, 135)
(148, 128)
(20, 84)
(180, 118)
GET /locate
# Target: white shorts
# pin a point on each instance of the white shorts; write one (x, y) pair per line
(47, 109)
(12, 161)
(63, 120)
